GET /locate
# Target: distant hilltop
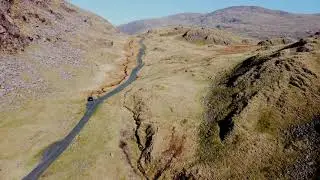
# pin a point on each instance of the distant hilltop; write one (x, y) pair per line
(251, 21)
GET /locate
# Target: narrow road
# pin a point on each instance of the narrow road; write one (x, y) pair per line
(55, 150)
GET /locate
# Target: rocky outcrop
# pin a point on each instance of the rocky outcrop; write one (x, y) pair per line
(275, 41)
(210, 36)
(11, 39)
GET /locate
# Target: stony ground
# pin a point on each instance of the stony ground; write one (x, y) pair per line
(45, 83)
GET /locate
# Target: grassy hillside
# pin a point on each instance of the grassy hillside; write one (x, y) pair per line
(206, 111)
(208, 103)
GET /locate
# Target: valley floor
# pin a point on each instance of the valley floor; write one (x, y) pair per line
(154, 129)
(150, 129)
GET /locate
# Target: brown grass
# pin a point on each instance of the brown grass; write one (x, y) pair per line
(263, 103)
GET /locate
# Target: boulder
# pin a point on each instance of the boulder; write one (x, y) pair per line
(2, 29)
(265, 43)
(109, 43)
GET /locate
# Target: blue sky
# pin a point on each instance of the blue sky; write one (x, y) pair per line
(123, 11)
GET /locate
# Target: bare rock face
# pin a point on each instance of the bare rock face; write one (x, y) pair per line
(11, 39)
(14, 16)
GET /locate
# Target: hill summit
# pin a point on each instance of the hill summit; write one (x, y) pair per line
(252, 21)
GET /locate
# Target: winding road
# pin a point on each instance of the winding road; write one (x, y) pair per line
(55, 150)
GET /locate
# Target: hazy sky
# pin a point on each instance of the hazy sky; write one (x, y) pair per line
(123, 11)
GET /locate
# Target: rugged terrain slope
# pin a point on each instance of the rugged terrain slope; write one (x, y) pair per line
(266, 114)
(206, 111)
(53, 55)
(245, 20)
(207, 103)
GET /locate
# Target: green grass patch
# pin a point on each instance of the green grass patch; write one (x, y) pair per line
(210, 147)
(200, 43)
(267, 122)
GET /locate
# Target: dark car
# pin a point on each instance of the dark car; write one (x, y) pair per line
(90, 99)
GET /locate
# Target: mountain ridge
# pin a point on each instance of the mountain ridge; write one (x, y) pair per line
(253, 21)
